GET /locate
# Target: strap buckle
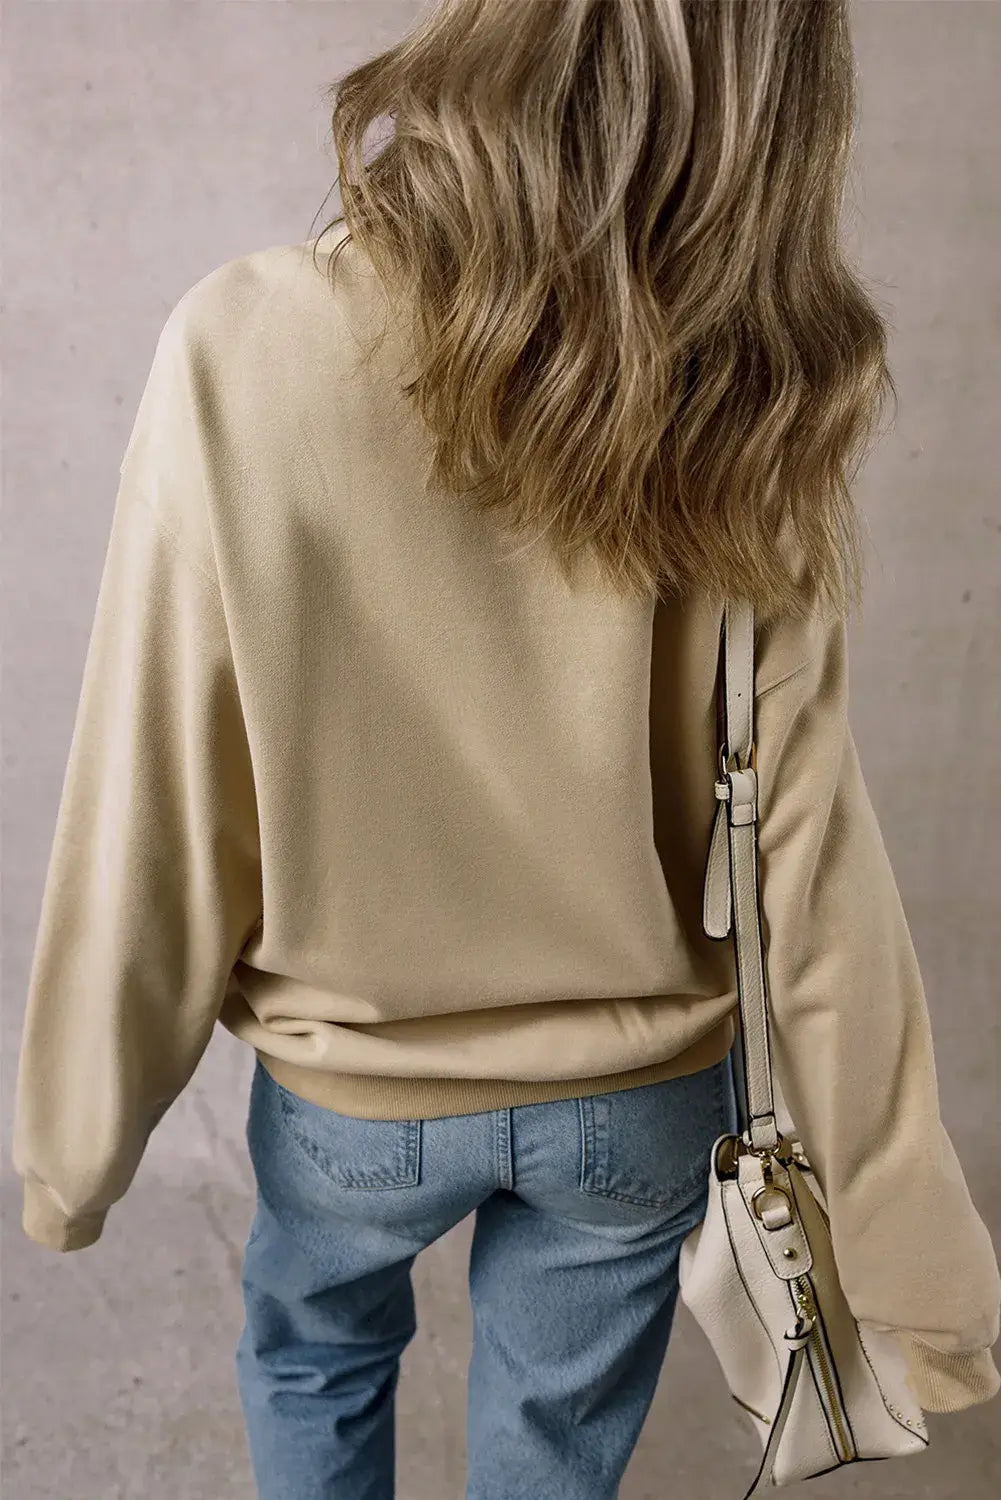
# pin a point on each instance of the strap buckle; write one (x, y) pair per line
(725, 759)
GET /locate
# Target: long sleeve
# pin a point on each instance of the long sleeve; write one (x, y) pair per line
(153, 883)
(852, 1045)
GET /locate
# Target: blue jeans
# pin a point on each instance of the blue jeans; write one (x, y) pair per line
(581, 1206)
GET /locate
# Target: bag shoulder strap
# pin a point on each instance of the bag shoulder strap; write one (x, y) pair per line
(731, 900)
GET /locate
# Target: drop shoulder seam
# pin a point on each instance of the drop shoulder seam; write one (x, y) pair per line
(170, 536)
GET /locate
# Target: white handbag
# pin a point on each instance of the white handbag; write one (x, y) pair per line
(758, 1274)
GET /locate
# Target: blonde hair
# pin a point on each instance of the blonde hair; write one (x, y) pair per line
(616, 225)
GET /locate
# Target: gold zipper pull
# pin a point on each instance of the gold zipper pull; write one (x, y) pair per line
(804, 1296)
(806, 1319)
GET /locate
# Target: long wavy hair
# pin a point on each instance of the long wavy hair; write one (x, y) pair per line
(614, 228)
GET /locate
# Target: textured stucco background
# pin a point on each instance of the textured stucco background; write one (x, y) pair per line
(144, 143)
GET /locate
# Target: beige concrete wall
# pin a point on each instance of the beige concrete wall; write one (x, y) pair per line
(147, 141)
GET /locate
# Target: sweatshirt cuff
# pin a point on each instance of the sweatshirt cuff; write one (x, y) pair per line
(44, 1221)
(949, 1382)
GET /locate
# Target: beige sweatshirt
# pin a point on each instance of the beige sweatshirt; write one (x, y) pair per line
(358, 776)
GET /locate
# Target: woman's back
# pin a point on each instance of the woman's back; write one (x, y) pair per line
(421, 814)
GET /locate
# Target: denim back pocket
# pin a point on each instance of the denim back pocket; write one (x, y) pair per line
(650, 1145)
(352, 1153)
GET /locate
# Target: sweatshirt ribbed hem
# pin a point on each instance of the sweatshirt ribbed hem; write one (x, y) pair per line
(949, 1382)
(44, 1221)
(371, 1097)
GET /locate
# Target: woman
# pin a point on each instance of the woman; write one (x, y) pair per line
(396, 744)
